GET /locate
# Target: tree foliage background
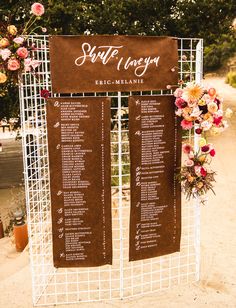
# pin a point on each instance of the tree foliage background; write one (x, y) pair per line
(207, 19)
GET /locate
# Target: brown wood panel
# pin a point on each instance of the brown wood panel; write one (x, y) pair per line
(155, 154)
(80, 180)
(103, 63)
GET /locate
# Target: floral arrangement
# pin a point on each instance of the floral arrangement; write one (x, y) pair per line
(16, 55)
(201, 109)
(199, 105)
(196, 175)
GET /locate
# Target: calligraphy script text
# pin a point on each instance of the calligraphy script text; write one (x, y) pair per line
(107, 53)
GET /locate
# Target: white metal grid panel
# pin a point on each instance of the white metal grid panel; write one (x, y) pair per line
(123, 279)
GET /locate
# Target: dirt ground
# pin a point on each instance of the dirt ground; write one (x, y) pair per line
(217, 285)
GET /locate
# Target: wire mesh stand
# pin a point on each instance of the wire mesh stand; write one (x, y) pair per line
(123, 279)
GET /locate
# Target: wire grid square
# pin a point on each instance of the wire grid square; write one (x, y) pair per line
(123, 279)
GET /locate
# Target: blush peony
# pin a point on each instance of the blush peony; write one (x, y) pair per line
(5, 53)
(18, 40)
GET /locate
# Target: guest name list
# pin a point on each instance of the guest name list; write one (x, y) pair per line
(80, 180)
(155, 153)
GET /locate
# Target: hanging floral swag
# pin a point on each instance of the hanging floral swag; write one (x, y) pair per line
(201, 110)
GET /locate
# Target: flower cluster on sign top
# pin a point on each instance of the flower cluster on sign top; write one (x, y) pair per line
(16, 55)
(201, 106)
(201, 110)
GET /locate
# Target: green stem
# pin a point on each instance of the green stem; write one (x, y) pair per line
(30, 25)
(27, 24)
(33, 30)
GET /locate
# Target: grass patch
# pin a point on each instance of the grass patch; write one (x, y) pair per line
(231, 79)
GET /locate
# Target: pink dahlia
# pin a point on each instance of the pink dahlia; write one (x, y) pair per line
(186, 124)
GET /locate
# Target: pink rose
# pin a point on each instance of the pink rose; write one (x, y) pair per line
(13, 64)
(18, 40)
(178, 92)
(5, 53)
(186, 124)
(37, 9)
(22, 52)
